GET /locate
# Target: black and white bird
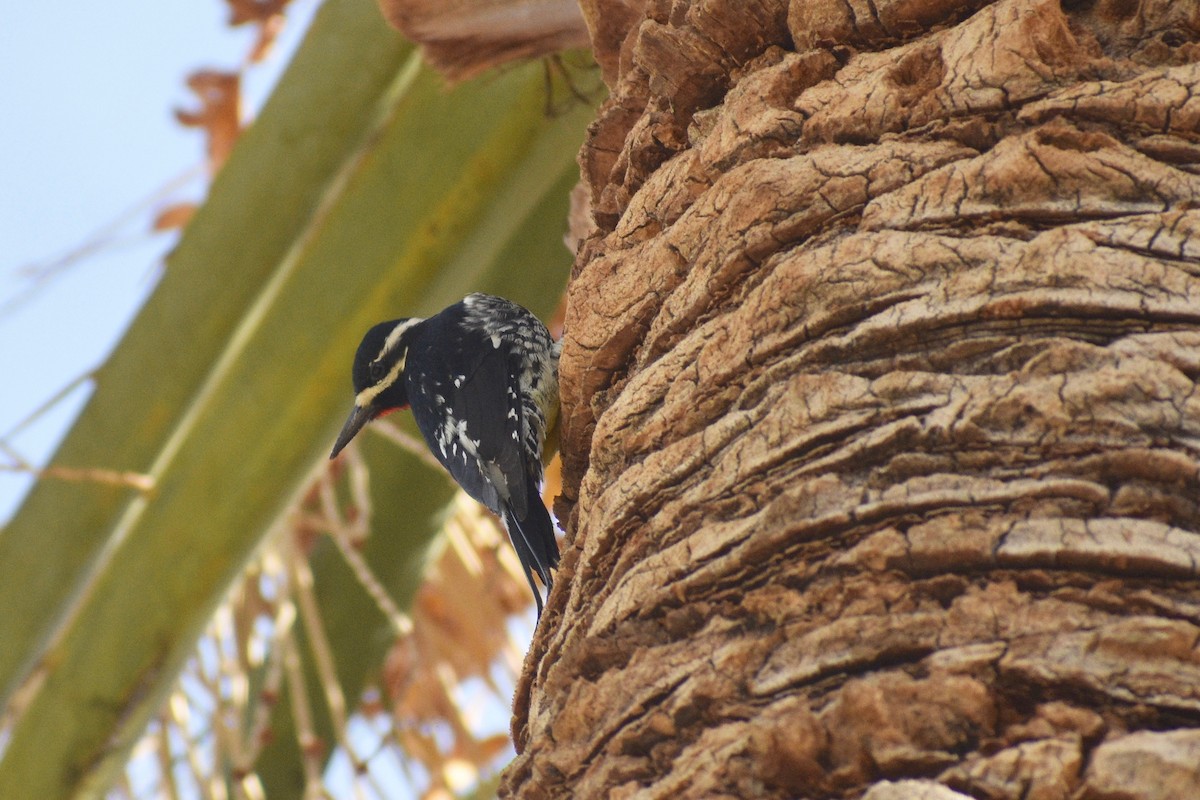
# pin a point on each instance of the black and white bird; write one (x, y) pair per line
(481, 378)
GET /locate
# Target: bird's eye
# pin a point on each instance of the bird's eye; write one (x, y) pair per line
(377, 371)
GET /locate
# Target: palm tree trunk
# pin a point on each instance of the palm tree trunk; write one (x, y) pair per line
(881, 429)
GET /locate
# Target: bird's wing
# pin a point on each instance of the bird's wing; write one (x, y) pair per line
(482, 449)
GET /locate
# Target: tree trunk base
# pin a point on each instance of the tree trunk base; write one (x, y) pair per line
(880, 417)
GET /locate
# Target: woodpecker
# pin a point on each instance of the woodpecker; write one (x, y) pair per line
(481, 378)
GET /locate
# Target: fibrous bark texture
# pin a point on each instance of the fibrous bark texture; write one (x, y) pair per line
(881, 429)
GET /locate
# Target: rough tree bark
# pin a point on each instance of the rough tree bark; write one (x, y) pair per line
(881, 426)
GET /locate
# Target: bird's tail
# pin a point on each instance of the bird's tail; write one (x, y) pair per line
(533, 539)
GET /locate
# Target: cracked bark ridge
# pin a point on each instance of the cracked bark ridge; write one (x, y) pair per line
(881, 428)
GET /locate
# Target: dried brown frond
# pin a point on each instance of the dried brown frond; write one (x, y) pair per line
(447, 678)
(462, 38)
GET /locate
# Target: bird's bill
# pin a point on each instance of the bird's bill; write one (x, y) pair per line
(359, 417)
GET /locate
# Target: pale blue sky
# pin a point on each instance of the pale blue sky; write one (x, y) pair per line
(86, 133)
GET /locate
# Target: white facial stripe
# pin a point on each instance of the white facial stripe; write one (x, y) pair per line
(364, 398)
(395, 335)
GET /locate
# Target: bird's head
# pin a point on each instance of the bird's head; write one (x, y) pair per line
(378, 376)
